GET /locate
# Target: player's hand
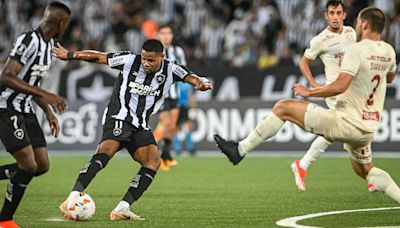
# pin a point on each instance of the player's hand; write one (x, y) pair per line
(56, 102)
(204, 84)
(300, 90)
(53, 122)
(60, 52)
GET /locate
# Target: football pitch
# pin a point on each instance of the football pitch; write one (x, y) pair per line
(210, 192)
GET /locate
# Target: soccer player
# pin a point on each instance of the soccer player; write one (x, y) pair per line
(169, 111)
(329, 46)
(366, 68)
(20, 132)
(139, 91)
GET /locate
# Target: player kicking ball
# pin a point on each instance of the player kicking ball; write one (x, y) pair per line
(139, 91)
(366, 68)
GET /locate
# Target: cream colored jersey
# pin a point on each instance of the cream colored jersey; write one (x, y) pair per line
(369, 62)
(330, 46)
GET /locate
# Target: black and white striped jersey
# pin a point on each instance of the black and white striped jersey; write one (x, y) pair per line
(174, 53)
(34, 53)
(138, 94)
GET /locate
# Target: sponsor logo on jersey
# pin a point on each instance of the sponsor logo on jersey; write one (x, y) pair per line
(143, 90)
(115, 61)
(180, 71)
(21, 49)
(39, 70)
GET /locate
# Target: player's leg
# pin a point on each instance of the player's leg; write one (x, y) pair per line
(145, 152)
(18, 182)
(284, 110)
(361, 161)
(299, 167)
(14, 136)
(187, 129)
(38, 142)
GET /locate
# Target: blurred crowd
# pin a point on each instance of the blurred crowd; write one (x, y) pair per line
(240, 33)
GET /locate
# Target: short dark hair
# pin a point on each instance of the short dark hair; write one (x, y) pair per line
(153, 45)
(61, 6)
(335, 3)
(164, 26)
(375, 17)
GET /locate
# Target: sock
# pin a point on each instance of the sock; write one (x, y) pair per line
(319, 145)
(189, 142)
(89, 171)
(121, 205)
(384, 182)
(263, 131)
(139, 184)
(7, 171)
(15, 191)
(166, 150)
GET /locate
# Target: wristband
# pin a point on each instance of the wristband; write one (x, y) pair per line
(70, 56)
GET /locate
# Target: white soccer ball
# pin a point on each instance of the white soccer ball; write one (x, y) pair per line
(81, 207)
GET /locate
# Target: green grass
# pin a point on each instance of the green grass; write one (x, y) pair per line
(210, 192)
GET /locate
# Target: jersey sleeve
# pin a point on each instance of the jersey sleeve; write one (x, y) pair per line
(117, 60)
(179, 72)
(181, 56)
(313, 49)
(351, 61)
(23, 48)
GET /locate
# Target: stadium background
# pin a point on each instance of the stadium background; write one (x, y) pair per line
(250, 49)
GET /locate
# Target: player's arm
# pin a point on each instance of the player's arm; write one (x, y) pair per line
(51, 118)
(304, 66)
(335, 88)
(199, 83)
(10, 79)
(86, 55)
(390, 77)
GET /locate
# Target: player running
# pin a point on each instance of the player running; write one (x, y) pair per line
(366, 68)
(20, 81)
(139, 91)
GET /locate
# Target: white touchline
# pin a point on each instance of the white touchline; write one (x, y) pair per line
(292, 222)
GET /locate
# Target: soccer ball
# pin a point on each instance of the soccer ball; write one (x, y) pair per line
(82, 207)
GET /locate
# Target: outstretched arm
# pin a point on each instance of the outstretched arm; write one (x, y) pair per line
(199, 83)
(87, 55)
(335, 88)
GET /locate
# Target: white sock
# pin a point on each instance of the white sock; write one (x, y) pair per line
(121, 205)
(267, 128)
(383, 182)
(71, 196)
(319, 145)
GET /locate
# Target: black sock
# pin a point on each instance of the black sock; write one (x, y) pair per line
(139, 184)
(15, 190)
(7, 171)
(166, 150)
(89, 171)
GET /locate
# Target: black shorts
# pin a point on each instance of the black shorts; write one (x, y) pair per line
(183, 115)
(128, 135)
(168, 105)
(19, 130)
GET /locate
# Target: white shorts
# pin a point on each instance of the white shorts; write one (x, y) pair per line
(330, 124)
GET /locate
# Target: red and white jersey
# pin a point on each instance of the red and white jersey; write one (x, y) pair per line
(369, 62)
(330, 47)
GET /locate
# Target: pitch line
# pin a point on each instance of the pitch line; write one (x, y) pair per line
(292, 222)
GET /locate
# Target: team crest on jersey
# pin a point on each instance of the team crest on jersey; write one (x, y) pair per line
(21, 49)
(160, 78)
(19, 134)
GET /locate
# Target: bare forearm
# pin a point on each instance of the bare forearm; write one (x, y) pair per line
(91, 56)
(45, 107)
(304, 67)
(13, 82)
(332, 89)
